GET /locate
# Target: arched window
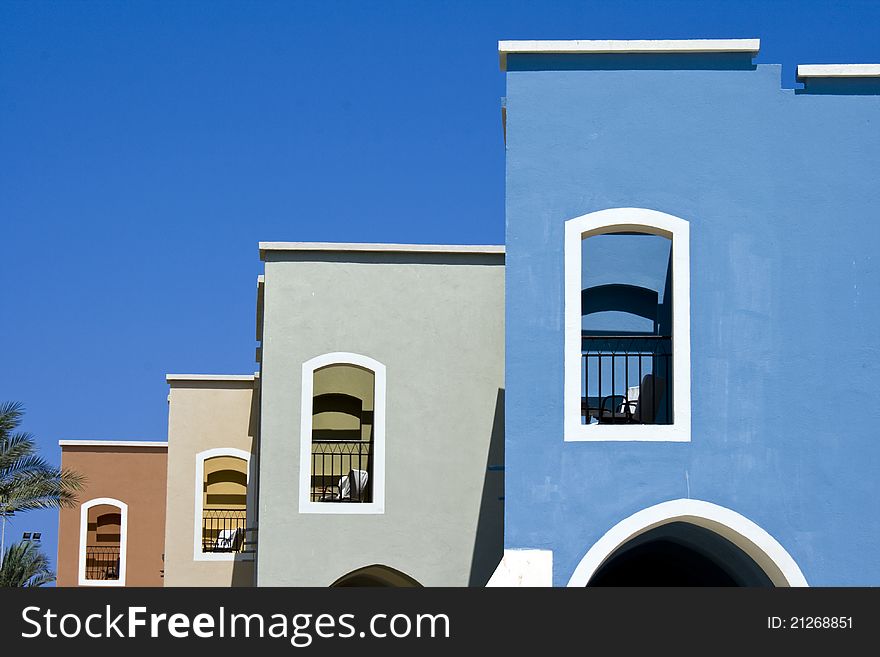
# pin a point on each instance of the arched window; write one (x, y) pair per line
(342, 449)
(103, 539)
(221, 505)
(627, 326)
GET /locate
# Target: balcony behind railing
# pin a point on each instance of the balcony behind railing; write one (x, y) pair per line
(102, 562)
(625, 379)
(341, 471)
(226, 530)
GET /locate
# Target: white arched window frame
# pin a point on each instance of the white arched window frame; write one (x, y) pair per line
(651, 222)
(308, 372)
(201, 457)
(84, 536)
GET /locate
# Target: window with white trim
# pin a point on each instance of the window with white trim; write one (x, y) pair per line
(342, 435)
(627, 326)
(222, 500)
(103, 540)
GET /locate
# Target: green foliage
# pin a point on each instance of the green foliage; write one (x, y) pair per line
(27, 481)
(24, 564)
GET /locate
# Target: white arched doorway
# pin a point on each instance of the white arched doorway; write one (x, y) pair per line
(756, 543)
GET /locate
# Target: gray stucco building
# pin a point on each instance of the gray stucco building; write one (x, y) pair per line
(381, 419)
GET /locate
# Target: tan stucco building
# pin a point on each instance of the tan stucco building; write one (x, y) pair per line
(213, 427)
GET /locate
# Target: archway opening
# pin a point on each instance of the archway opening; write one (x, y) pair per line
(376, 575)
(679, 554)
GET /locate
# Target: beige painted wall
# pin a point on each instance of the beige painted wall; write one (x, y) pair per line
(134, 475)
(204, 415)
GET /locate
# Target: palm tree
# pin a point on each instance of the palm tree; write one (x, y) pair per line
(25, 565)
(28, 481)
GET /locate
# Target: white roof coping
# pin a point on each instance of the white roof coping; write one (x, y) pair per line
(838, 71)
(113, 443)
(380, 248)
(625, 46)
(208, 377)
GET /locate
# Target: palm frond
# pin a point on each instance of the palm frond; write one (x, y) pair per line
(26, 466)
(14, 447)
(28, 481)
(39, 490)
(10, 416)
(71, 480)
(25, 565)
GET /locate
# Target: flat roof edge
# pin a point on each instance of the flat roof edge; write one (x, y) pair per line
(381, 248)
(113, 443)
(624, 46)
(838, 71)
(209, 377)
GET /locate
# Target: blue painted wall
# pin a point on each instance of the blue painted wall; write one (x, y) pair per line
(782, 192)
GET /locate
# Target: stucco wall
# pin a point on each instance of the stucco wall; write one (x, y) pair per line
(780, 190)
(134, 476)
(204, 415)
(436, 323)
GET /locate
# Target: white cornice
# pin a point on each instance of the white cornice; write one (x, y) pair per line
(380, 248)
(626, 46)
(208, 377)
(112, 443)
(838, 71)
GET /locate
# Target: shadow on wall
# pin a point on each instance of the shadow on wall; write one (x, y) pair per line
(244, 573)
(733, 61)
(841, 86)
(489, 540)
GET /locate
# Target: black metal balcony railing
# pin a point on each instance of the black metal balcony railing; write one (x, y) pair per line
(224, 530)
(341, 471)
(626, 379)
(102, 562)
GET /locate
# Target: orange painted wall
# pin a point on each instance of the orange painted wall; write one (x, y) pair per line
(134, 475)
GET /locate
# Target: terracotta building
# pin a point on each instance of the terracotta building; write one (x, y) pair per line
(116, 535)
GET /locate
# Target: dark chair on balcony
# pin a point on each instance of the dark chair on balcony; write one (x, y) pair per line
(111, 572)
(644, 409)
(614, 409)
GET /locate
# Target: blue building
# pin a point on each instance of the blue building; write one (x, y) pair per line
(692, 315)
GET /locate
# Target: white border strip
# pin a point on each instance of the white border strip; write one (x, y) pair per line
(776, 562)
(201, 457)
(84, 535)
(625, 46)
(643, 221)
(380, 247)
(208, 377)
(838, 71)
(113, 443)
(308, 369)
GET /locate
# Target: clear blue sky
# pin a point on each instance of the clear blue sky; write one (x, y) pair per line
(146, 147)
